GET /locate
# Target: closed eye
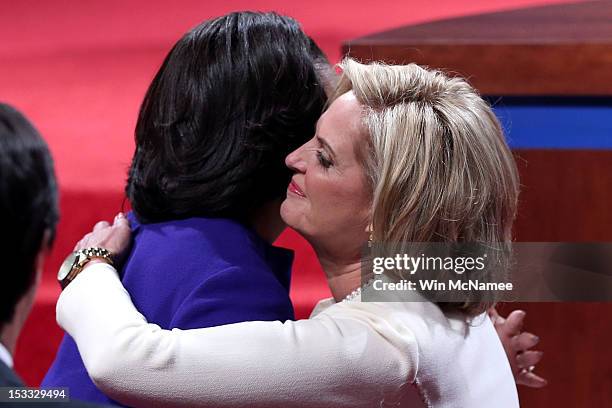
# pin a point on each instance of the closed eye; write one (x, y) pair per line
(323, 160)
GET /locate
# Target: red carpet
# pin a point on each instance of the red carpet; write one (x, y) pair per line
(79, 71)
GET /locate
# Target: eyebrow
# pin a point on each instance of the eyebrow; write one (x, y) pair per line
(326, 145)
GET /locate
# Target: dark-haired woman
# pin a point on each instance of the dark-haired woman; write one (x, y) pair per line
(233, 97)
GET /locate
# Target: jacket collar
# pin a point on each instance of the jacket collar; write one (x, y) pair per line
(8, 377)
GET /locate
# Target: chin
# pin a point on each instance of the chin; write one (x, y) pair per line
(291, 213)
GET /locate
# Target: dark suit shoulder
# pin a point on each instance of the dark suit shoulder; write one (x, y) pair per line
(8, 378)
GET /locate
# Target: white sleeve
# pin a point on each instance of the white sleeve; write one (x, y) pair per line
(347, 356)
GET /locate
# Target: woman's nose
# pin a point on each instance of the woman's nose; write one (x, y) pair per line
(295, 161)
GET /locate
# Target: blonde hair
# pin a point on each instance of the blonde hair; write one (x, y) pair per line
(436, 159)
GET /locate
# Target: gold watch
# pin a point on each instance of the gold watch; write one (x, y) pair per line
(76, 261)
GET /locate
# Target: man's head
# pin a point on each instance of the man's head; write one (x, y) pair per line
(28, 211)
(233, 97)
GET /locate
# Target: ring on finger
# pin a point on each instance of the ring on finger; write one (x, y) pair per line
(528, 370)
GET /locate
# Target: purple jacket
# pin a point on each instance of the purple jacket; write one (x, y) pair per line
(193, 273)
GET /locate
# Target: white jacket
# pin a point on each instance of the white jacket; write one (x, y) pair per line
(348, 354)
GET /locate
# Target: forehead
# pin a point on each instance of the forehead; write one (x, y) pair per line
(341, 125)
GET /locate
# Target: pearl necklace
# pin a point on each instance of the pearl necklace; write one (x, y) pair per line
(357, 292)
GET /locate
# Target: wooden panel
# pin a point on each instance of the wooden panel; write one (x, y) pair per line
(553, 50)
(575, 338)
(566, 196)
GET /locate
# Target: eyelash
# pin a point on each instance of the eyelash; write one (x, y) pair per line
(324, 161)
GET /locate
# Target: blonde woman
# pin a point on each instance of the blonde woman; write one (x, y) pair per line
(402, 154)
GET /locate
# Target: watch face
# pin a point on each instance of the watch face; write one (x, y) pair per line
(67, 266)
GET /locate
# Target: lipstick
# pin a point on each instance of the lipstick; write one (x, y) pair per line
(295, 189)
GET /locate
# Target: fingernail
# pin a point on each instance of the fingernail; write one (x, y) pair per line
(521, 312)
(119, 216)
(542, 383)
(535, 338)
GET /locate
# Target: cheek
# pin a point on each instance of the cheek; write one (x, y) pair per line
(338, 201)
